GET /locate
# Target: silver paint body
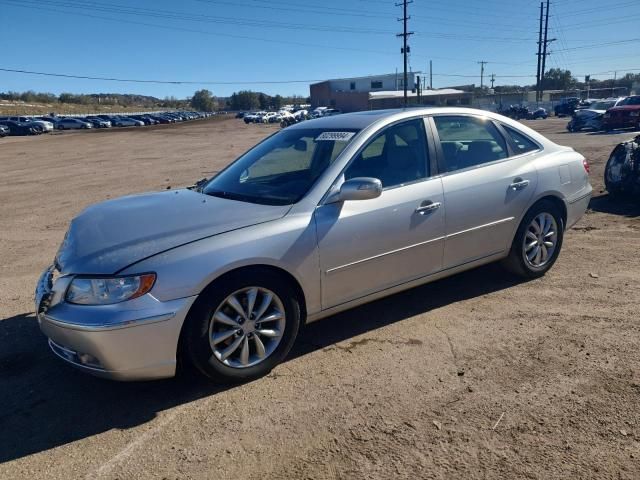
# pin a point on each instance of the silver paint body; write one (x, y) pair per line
(341, 254)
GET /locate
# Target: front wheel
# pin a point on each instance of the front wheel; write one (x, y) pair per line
(538, 241)
(241, 328)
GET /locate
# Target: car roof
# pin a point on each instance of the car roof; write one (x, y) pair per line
(361, 120)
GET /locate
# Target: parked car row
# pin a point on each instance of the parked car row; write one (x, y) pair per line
(286, 117)
(607, 114)
(23, 125)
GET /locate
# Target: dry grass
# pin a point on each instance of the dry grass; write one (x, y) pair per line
(10, 107)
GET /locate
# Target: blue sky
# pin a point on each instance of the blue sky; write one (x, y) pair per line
(282, 40)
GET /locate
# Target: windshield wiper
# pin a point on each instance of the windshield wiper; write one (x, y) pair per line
(199, 185)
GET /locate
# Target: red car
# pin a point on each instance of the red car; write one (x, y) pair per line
(625, 115)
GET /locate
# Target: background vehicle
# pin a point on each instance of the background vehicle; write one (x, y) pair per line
(622, 172)
(72, 124)
(126, 122)
(593, 116)
(566, 106)
(97, 122)
(626, 114)
(146, 119)
(44, 125)
(233, 289)
(20, 128)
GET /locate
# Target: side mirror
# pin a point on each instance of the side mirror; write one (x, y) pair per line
(360, 188)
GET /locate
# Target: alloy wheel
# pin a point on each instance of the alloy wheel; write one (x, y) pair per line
(540, 240)
(247, 327)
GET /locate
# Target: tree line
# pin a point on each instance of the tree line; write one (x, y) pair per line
(559, 79)
(124, 99)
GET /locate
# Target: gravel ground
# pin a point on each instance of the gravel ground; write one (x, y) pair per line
(475, 376)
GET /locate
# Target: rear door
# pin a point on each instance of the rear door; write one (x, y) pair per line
(487, 186)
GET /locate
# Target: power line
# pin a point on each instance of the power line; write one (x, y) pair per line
(169, 82)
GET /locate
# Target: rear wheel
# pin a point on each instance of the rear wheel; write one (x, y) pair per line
(538, 241)
(242, 327)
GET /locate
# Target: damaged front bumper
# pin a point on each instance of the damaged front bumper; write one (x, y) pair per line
(132, 340)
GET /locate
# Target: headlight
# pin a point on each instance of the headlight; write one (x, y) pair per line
(634, 114)
(108, 290)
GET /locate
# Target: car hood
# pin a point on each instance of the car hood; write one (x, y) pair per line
(111, 235)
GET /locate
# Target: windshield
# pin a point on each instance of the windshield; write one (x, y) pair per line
(282, 169)
(602, 105)
(630, 101)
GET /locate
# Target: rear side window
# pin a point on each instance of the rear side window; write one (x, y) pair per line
(522, 143)
(469, 141)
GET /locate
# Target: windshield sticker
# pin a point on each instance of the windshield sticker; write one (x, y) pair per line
(335, 136)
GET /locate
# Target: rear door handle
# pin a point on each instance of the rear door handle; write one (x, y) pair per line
(428, 207)
(519, 184)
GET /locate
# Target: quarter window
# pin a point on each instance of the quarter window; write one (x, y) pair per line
(469, 141)
(396, 156)
(522, 143)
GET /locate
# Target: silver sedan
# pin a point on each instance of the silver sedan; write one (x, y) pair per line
(318, 218)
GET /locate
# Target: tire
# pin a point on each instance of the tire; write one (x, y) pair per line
(201, 326)
(518, 262)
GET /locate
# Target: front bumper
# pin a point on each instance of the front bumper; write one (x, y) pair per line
(132, 340)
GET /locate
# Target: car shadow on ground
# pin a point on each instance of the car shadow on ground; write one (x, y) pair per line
(625, 207)
(45, 403)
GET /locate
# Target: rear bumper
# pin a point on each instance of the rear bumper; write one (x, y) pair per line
(577, 205)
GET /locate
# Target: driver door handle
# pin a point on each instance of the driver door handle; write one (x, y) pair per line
(428, 207)
(519, 184)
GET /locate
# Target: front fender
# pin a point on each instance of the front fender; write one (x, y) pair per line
(288, 243)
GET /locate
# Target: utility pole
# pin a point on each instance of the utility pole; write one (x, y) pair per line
(493, 79)
(545, 43)
(430, 75)
(482, 64)
(405, 35)
(538, 93)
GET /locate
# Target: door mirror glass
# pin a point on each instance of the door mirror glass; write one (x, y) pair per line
(361, 188)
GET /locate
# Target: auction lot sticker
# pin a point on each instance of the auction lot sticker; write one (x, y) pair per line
(335, 136)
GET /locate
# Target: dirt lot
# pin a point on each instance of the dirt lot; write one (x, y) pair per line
(476, 376)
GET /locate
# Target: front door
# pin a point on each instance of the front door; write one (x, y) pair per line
(370, 245)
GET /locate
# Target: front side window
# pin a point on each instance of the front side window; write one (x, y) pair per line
(280, 170)
(396, 156)
(468, 141)
(522, 143)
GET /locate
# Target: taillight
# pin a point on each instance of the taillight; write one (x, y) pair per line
(585, 164)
